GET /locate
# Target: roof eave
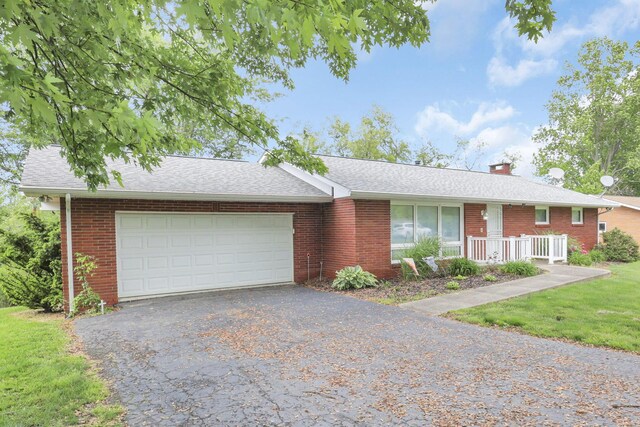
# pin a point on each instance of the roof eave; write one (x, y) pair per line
(33, 191)
(625, 205)
(360, 194)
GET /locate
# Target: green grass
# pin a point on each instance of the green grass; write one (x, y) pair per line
(41, 383)
(603, 312)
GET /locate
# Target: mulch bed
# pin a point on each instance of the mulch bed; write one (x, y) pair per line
(397, 291)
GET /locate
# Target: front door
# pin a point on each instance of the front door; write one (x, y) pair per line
(495, 248)
(494, 222)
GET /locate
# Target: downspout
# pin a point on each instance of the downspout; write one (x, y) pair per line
(67, 215)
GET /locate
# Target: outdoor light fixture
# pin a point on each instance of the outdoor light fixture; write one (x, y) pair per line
(485, 214)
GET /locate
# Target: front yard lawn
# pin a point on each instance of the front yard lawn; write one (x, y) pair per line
(603, 312)
(41, 382)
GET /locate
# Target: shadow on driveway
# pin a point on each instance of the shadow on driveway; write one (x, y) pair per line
(293, 356)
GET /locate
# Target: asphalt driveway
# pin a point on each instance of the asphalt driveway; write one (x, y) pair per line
(294, 356)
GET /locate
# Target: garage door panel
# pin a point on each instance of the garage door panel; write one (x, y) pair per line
(165, 253)
(157, 262)
(131, 242)
(156, 222)
(181, 261)
(158, 283)
(180, 241)
(132, 264)
(131, 223)
(180, 222)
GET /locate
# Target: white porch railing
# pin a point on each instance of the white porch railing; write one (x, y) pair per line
(498, 250)
(551, 247)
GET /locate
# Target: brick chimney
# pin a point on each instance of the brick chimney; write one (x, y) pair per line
(503, 168)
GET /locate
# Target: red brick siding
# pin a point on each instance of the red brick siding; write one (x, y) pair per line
(521, 220)
(373, 237)
(93, 230)
(338, 236)
(474, 225)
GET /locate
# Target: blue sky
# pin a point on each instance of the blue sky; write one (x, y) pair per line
(476, 79)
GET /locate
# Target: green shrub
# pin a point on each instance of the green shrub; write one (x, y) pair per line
(452, 285)
(578, 258)
(519, 268)
(353, 278)
(4, 301)
(490, 278)
(461, 277)
(87, 300)
(31, 270)
(619, 246)
(597, 256)
(463, 267)
(425, 247)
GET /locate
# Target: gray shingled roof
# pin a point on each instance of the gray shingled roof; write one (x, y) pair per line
(46, 172)
(366, 178)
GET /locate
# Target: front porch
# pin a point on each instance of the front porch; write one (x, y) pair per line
(498, 250)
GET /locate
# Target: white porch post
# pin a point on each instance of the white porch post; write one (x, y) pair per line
(512, 248)
(67, 215)
(565, 249)
(551, 251)
(470, 254)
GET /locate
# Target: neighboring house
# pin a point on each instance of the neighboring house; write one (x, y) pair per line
(197, 224)
(626, 217)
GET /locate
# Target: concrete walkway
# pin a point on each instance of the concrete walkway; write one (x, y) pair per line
(555, 275)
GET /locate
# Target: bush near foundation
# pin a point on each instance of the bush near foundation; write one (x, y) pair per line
(619, 246)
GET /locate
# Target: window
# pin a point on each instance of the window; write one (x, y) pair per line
(542, 214)
(576, 215)
(602, 227)
(411, 222)
(450, 224)
(427, 221)
(402, 224)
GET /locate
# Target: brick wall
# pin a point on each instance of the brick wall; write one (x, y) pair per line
(338, 235)
(373, 237)
(626, 219)
(474, 225)
(521, 220)
(93, 230)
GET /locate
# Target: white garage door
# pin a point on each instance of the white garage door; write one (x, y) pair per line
(169, 253)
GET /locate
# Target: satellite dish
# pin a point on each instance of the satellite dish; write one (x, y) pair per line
(556, 173)
(607, 181)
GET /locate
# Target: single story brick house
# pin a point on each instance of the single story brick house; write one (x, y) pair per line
(199, 224)
(626, 217)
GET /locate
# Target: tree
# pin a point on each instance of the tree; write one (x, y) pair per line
(134, 79)
(376, 138)
(30, 266)
(13, 149)
(313, 142)
(594, 120)
(429, 155)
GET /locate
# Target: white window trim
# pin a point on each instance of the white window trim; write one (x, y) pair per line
(415, 204)
(605, 226)
(581, 216)
(546, 208)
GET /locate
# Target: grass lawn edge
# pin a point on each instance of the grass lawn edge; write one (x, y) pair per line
(46, 378)
(542, 313)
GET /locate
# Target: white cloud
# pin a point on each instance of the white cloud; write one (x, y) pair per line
(524, 146)
(490, 125)
(542, 57)
(432, 118)
(500, 136)
(502, 74)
